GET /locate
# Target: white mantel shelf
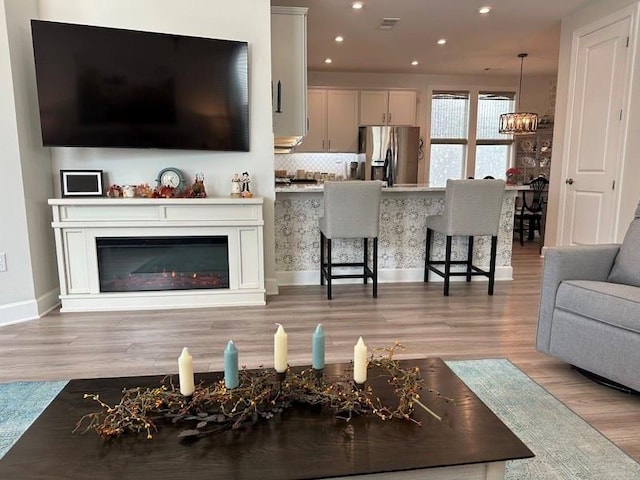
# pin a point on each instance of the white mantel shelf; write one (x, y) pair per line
(77, 222)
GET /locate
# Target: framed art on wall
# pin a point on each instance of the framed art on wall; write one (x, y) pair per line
(81, 183)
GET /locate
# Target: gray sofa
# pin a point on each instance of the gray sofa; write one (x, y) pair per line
(590, 307)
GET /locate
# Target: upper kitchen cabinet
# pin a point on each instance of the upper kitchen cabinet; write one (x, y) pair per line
(289, 74)
(333, 121)
(388, 107)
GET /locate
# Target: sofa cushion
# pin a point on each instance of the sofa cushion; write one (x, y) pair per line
(626, 268)
(611, 303)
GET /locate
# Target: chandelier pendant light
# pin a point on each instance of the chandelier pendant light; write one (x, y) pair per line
(519, 122)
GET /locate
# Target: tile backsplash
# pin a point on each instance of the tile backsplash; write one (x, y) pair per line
(315, 162)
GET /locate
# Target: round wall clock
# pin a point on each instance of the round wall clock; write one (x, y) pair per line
(171, 177)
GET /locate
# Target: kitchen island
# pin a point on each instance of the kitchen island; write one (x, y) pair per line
(403, 214)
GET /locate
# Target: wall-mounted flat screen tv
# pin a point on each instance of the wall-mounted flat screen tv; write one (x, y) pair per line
(108, 87)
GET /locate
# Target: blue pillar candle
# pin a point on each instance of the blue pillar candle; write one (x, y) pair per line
(317, 348)
(230, 366)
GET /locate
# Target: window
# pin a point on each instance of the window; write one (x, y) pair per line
(449, 128)
(462, 148)
(492, 148)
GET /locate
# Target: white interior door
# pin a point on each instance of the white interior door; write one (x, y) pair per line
(598, 90)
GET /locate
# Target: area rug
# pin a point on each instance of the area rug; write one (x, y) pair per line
(20, 404)
(566, 447)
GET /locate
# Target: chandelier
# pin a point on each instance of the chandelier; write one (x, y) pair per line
(519, 122)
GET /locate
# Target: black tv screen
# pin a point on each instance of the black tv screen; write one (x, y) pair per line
(108, 87)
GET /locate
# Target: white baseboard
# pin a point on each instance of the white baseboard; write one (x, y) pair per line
(271, 286)
(48, 301)
(18, 312)
(312, 277)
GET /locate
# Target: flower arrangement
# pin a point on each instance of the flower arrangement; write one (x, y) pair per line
(260, 395)
(512, 174)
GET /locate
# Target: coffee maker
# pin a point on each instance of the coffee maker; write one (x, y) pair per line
(354, 171)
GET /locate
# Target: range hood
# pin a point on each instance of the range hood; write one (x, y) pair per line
(286, 144)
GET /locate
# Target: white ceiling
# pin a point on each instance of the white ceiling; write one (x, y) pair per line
(474, 42)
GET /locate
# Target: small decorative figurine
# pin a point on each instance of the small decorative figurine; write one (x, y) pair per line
(246, 180)
(197, 189)
(114, 191)
(129, 191)
(165, 192)
(236, 186)
(144, 190)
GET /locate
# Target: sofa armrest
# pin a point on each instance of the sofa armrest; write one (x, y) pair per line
(578, 262)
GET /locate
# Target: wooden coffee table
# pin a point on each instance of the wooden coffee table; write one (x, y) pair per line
(302, 443)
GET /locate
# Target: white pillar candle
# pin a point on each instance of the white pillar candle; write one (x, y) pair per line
(280, 350)
(185, 372)
(360, 362)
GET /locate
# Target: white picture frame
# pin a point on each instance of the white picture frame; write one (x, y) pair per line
(81, 183)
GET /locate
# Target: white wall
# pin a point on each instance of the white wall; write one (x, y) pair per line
(32, 171)
(629, 192)
(29, 287)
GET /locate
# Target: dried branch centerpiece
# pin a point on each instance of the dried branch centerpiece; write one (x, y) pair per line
(207, 409)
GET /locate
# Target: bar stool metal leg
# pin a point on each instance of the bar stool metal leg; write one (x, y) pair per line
(322, 242)
(329, 269)
(492, 264)
(447, 266)
(375, 267)
(426, 255)
(469, 258)
(365, 260)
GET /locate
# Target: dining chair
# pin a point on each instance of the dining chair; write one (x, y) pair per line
(531, 209)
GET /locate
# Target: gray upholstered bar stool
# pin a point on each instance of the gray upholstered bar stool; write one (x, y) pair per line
(471, 208)
(351, 210)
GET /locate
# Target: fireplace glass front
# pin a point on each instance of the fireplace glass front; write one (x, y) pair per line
(132, 264)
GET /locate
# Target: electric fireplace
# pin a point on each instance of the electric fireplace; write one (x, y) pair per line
(132, 264)
(158, 253)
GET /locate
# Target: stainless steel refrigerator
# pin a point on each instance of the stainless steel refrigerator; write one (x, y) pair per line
(389, 153)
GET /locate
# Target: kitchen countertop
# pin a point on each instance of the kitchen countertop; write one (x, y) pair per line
(311, 188)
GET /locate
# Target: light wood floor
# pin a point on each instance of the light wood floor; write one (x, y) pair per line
(466, 325)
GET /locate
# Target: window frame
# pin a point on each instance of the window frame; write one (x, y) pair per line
(469, 160)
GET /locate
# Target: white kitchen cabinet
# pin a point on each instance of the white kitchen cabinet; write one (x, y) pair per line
(316, 136)
(289, 72)
(333, 121)
(388, 107)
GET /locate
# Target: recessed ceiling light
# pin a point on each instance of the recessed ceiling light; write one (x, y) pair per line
(328, 60)
(357, 5)
(442, 41)
(339, 39)
(484, 10)
(415, 62)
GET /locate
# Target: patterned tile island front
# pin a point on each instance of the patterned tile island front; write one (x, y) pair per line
(401, 252)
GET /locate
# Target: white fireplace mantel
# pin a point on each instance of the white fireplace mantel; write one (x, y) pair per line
(78, 222)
